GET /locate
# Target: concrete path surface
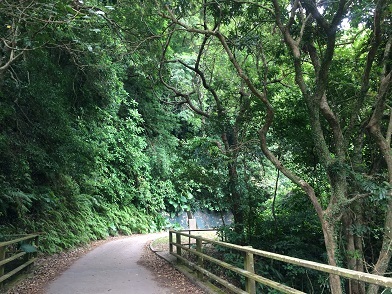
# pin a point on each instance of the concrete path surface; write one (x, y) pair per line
(110, 268)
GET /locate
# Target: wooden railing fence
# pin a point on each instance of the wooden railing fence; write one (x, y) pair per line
(248, 271)
(21, 250)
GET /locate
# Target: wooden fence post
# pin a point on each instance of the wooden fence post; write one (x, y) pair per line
(199, 243)
(171, 241)
(2, 257)
(178, 248)
(36, 243)
(250, 284)
(192, 226)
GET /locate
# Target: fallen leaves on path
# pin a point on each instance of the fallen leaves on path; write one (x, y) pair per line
(48, 268)
(166, 275)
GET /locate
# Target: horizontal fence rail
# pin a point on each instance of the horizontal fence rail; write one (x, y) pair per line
(248, 271)
(21, 249)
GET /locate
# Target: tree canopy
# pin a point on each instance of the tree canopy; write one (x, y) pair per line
(113, 112)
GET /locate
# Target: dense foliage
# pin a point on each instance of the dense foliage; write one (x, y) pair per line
(112, 112)
(309, 84)
(74, 160)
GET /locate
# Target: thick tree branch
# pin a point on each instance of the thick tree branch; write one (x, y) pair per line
(294, 8)
(293, 45)
(311, 7)
(176, 91)
(383, 142)
(200, 73)
(303, 26)
(374, 124)
(374, 127)
(389, 129)
(264, 130)
(334, 123)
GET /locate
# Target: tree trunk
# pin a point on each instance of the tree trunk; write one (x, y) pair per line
(384, 144)
(235, 200)
(354, 250)
(236, 203)
(331, 247)
(386, 249)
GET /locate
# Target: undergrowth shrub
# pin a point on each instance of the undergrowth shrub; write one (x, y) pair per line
(81, 219)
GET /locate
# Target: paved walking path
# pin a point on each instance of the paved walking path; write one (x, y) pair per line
(110, 268)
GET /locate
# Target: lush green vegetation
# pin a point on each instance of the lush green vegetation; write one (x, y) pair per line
(74, 146)
(112, 112)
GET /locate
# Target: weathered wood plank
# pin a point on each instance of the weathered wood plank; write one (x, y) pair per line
(31, 236)
(2, 257)
(250, 285)
(19, 268)
(210, 275)
(7, 260)
(267, 282)
(346, 273)
(30, 259)
(170, 241)
(178, 247)
(200, 261)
